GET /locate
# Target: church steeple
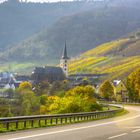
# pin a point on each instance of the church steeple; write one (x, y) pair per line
(64, 55)
(64, 61)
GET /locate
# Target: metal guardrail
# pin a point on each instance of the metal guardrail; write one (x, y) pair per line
(24, 122)
(120, 103)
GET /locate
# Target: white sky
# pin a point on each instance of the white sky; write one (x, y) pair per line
(42, 0)
(47, 0)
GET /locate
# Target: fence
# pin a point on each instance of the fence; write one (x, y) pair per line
(24, 122)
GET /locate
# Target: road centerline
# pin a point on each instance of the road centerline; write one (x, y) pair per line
(116, 136)
(137, 130)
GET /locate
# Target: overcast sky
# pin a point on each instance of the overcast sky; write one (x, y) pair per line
(42, 0)
(47, 0)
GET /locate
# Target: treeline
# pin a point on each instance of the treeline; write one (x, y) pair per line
(49, 99)
(60, 97)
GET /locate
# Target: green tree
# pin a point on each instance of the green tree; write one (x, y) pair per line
(43, 99)
(106, 91)
(30, 103)
(133, 85)
(10, 92)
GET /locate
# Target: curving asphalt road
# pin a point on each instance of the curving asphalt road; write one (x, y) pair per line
(125, 127)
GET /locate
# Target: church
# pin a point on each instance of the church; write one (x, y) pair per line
(52, 73)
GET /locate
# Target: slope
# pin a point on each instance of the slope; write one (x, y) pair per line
(117, 59)
(19, 21)
(82, 31)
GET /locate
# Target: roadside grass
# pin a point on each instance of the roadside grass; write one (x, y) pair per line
(54, 122)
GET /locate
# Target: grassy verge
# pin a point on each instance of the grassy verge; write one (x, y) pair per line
(124, 112)
(133, 104)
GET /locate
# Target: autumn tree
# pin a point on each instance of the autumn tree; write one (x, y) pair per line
(59, 87)
(78, 99)
(42, 88)
(43, 109)
(133, 85)
(106, 91)
(83, 91)
(30, 103)
(25, 85)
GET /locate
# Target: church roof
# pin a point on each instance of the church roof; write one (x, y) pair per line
(48, 73)
(48, 70)
(64, 55)
(116, 82)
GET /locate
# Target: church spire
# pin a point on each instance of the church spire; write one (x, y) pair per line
(64, 55)
(64, 61)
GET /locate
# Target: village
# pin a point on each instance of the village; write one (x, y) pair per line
(52, 74)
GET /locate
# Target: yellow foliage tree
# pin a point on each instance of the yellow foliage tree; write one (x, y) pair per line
(107, 91)
(43, 109)
(83, 91)
(133, 85)
(25, 85)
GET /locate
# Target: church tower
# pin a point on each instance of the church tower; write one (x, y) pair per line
(64, 61)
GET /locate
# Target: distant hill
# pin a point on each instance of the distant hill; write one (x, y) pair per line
(81, 31)
(34, 34)
(117, 58)
(18, 21)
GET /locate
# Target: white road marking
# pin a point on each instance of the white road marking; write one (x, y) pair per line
(113, 137)
(79, 128)
(134, 127)
(135, 130)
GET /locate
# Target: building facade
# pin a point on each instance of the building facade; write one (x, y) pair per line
(64, 61)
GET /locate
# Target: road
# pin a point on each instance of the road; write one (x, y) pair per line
(126, 127)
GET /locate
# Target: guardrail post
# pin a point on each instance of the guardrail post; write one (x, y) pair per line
(7, 125)
(51, 121)
(70, 119)
(32, 123)
(61, 120)
(39, 123)
(78, 118)
(16, 125)
(66, 120)
(45, 121)
(74, 118)
(56, 121)
(24, 124)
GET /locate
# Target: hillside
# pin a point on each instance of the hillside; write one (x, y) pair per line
(34, 34)
(18, 21)
(117, 59)
(82, 31)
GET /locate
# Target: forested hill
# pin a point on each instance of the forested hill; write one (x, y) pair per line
(18, 20)
(83, 25)
(116, 58)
